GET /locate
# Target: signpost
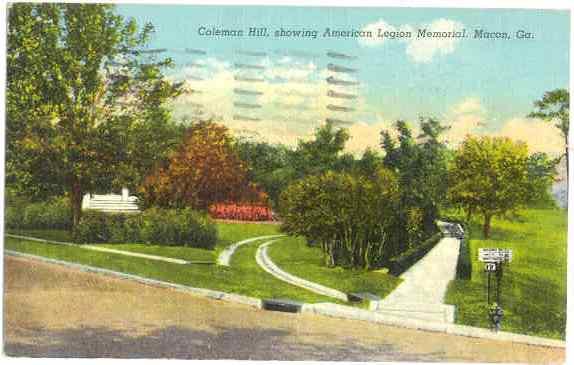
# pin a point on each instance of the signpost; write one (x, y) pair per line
(494, 259)
(494, 254)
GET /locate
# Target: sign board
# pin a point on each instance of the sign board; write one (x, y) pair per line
(494, 254)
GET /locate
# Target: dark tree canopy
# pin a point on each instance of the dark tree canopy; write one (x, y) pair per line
(421, 165)
(78, 86)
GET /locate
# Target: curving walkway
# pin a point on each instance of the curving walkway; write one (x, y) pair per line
(265, 262)
(224, 257)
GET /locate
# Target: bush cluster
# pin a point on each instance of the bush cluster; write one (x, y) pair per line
(177, 227)
(52, 214)
(350, 217)
(399, 264)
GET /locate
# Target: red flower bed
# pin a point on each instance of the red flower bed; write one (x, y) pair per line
(242, 212)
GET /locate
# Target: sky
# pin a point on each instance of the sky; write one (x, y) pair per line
(476, 86)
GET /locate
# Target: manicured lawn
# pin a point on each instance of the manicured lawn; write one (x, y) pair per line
(47, 234)
(178, 252)
(243, 277)
(534, 283)
(296, 257)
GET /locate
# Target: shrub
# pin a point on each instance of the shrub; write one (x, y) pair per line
(243, 212)
(13, 217)
(399, 264)
(158, 226)
(178, 227)
(94, 227)
(52, 214)
(350, 217)
(125, 228)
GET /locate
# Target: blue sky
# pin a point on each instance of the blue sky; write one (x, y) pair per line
(476, 86)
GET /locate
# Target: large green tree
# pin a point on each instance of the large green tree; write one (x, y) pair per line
(267, 165)
(323, 153)
(79, 83)
(490, 176)
(555, 106)
(421, 165)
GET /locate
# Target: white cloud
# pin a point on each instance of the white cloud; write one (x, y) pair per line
(374, 29)
(365, 135)
(466, 117)
(423, 50)
(468, 105)
(419, 50)
(539, 135)
(290, 110)
(469, 117)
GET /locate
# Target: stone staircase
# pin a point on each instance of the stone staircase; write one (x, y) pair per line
(435, 312)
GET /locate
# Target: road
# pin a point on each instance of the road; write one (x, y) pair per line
(53, 311)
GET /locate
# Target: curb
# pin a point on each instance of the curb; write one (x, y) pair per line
(264, 261)
(207, 293)
(324, 309)
(342, 311)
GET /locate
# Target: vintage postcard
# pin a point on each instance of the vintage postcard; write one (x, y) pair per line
(286, 182)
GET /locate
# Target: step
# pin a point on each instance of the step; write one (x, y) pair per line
(416, 310)
(92, 204)
(109, 202)
(113, 207)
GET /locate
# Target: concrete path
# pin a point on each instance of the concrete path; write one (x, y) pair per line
(421, 294)
(265, 262)
(225, 256)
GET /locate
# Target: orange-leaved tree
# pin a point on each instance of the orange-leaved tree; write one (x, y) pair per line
(204, 170)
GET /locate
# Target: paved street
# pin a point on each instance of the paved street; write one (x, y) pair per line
(52, 311)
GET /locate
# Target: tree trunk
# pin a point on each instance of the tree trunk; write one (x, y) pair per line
(468, 214)
(76, 202)
(486, 227)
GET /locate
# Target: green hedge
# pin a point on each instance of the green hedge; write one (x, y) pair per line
(178, 227)
(53, 214)
(174, 227)
(464, 264)
(399, 264)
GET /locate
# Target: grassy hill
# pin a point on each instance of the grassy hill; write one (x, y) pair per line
(533, 284)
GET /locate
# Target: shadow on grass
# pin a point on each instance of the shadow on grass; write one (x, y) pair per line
(184, 343)
(532, 305)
